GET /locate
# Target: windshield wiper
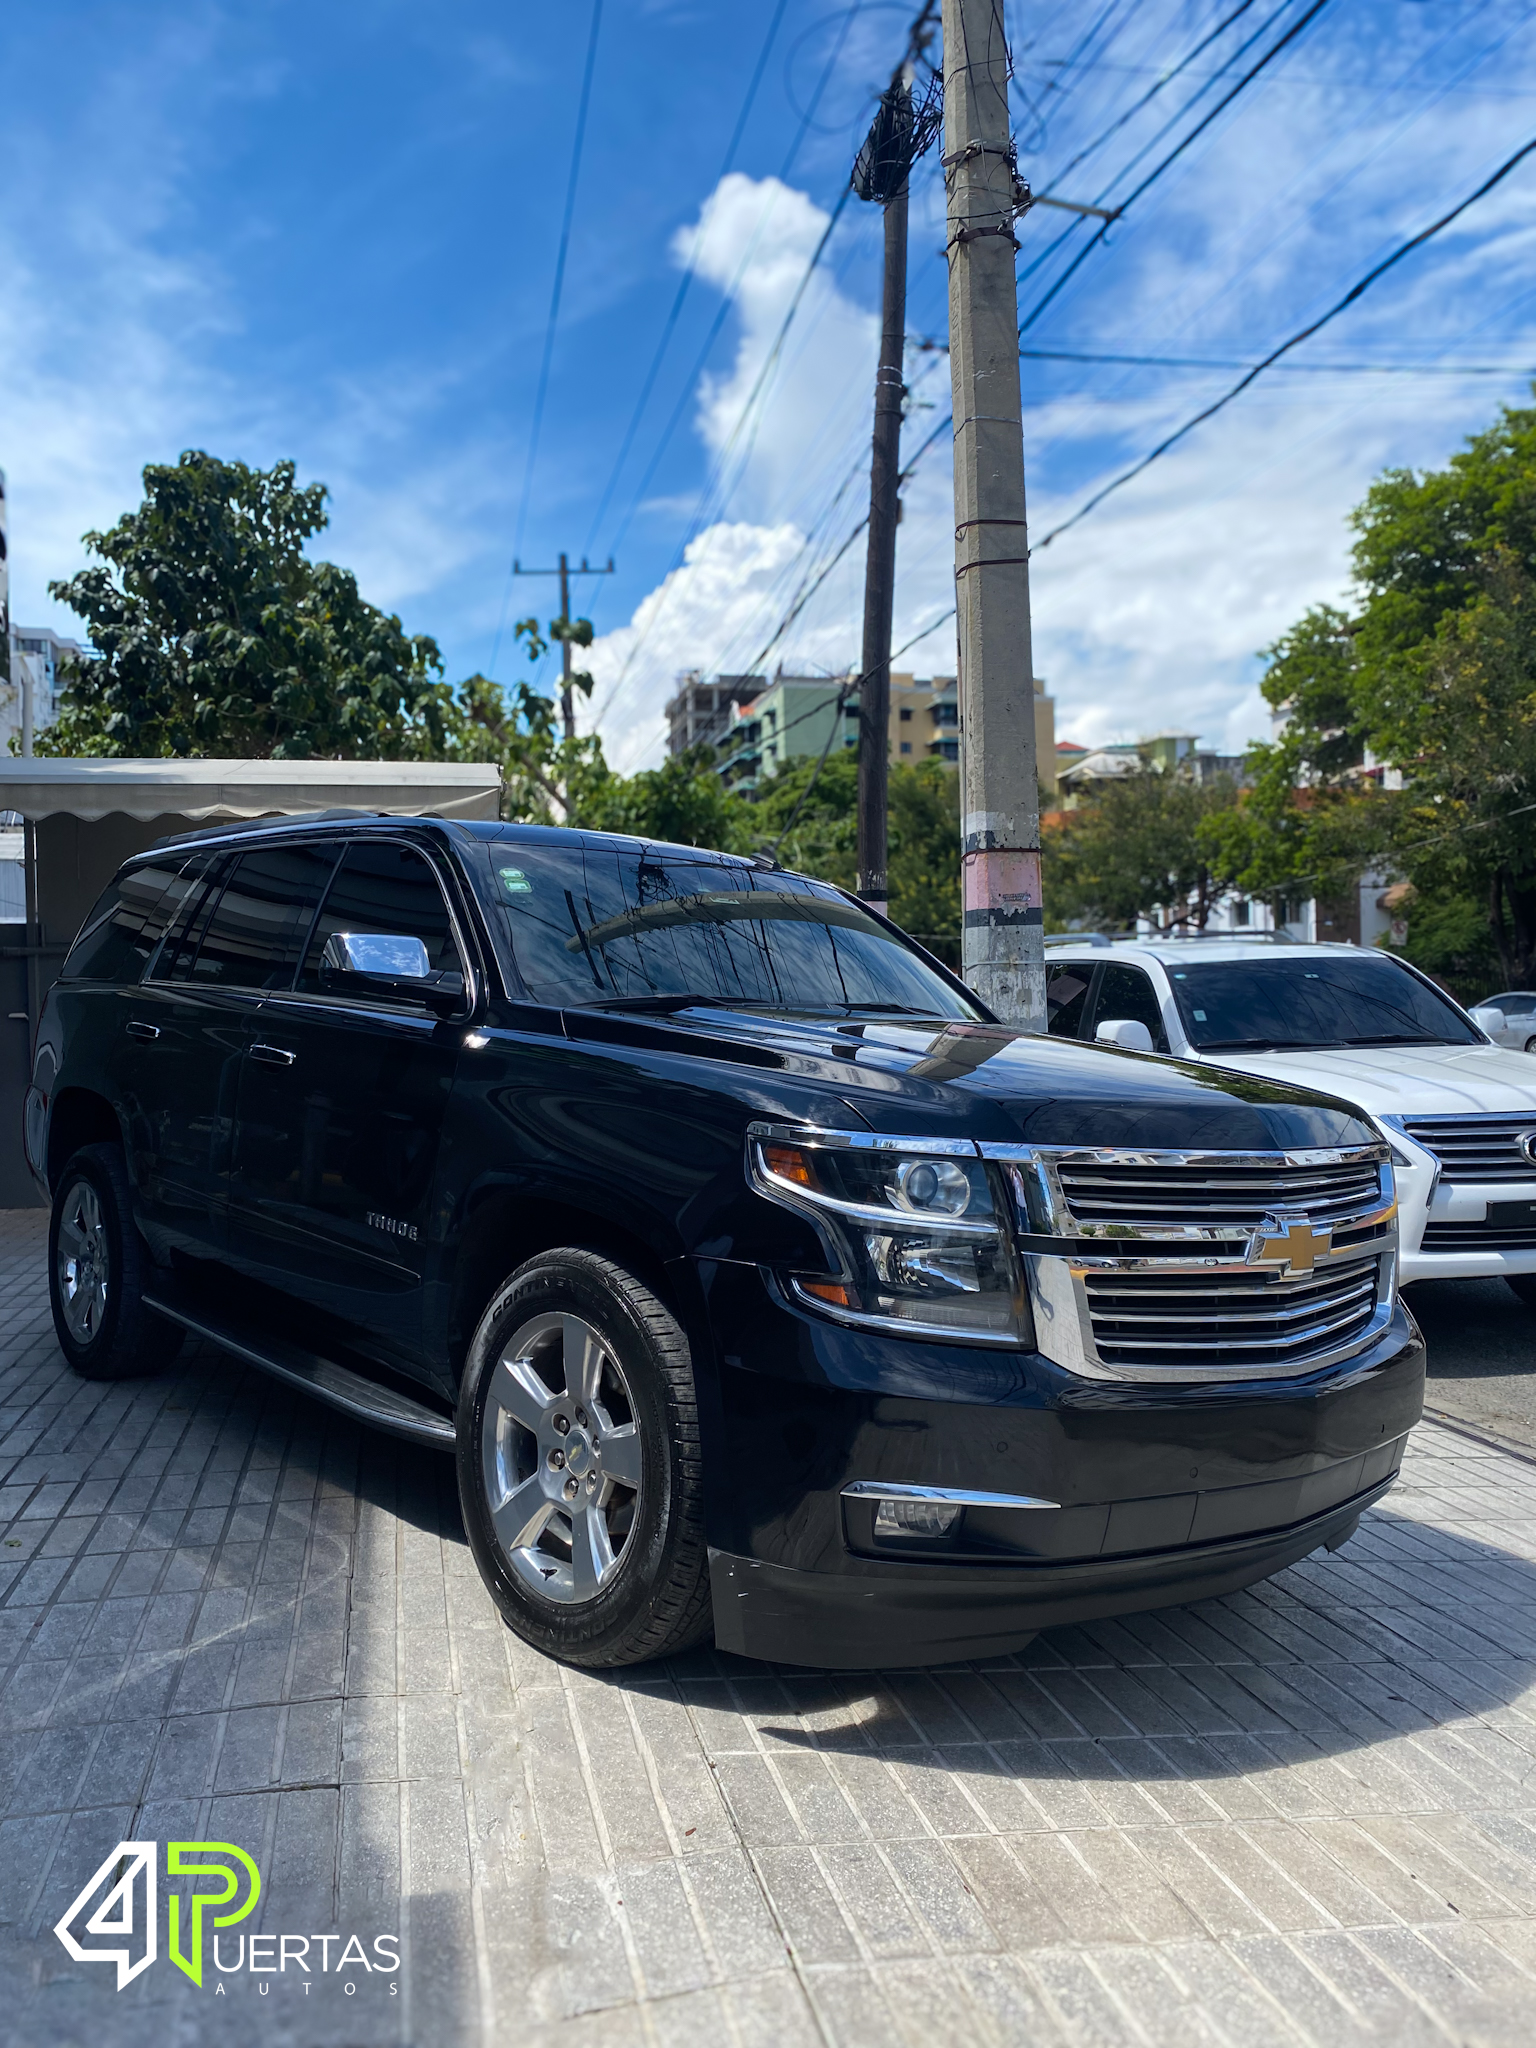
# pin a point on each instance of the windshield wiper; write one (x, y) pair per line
(1404, 1038)
(889, 1009)
(1255, 1045)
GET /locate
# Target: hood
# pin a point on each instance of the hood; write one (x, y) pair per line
(1404, 1080)
(991, 1082)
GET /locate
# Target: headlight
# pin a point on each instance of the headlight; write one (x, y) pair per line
(914, 1237)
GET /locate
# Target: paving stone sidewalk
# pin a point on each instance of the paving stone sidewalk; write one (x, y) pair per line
(1300, 1815)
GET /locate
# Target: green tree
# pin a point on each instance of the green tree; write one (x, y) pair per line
(683, 802)
(818, 834)
(218, 636)
(1433, 674)
(1140, 845)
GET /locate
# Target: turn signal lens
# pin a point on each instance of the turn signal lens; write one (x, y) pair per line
(788, 1162)
(830, 1290)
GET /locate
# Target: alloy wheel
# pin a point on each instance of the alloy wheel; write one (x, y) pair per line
(84, 1264)
(560, 1456)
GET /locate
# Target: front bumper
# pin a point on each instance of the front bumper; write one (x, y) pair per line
(1164, 1493)
(910, 1614)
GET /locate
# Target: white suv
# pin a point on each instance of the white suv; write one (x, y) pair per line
(1458, 1110)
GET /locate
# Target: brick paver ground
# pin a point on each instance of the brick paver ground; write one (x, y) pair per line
(1300, 1815)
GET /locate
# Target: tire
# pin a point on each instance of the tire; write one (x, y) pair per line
(1530, 1045)
(97, 1268)
(579, 1464)
(1523, 1284)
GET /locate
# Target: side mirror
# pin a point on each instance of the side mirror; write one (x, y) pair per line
(1494, 1022)
(1127, 1032)
(388, 964)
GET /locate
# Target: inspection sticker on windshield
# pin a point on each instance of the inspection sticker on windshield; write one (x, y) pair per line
(515, 882)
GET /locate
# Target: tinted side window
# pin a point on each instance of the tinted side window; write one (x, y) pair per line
(1066, 991)
(1126, 992)
(384, 887)
(120, 935)
(261, 919)
(195, 892)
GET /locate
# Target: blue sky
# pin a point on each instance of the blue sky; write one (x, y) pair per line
(330, 231)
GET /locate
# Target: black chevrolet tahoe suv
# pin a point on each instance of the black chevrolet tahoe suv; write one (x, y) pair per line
(758, 1280)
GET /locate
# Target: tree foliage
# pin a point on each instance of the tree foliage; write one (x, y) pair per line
(1146, 844)
(217, 635)
(1434, 676)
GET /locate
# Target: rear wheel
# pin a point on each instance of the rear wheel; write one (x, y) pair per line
(1524, 1284)
(1530, 1045)
(97, 1269)
(579, 1464)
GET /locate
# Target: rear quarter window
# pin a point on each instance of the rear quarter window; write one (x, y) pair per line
(120, 935)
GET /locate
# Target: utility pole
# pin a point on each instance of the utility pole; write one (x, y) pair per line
(898, 135)
(567, 698)
(1003, 947)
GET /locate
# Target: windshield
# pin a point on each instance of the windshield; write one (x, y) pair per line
(600, 923)
(1353, 999)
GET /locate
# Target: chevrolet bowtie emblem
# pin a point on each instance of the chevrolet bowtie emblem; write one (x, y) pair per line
(1298, 1247)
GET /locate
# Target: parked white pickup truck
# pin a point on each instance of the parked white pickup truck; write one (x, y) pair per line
(1458, 1110)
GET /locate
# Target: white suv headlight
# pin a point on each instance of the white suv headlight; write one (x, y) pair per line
(914, 1233)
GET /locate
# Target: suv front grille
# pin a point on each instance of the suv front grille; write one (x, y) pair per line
(1476, 1148)
(1234, 1320)
(1186, 1266)
(1213, 1195)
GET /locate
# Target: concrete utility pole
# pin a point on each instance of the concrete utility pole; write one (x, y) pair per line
(567, 698)
(1003, 951)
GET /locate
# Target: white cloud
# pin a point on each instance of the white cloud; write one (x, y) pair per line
(715, 593)
(1153, 611)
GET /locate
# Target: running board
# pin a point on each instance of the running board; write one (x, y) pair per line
(342, 1388)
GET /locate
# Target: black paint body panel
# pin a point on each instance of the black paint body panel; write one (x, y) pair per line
(519, 1126)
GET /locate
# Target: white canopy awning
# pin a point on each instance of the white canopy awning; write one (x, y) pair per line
(211, 790)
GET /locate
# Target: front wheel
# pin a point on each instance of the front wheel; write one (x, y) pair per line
(1530, 1045)
(97, 1267)
(579, 1464)
(1524, 1284)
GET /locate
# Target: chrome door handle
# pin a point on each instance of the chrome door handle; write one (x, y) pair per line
(273, 1055)
(138, 1030)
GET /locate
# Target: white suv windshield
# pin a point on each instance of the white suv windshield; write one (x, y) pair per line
(1315, 1002)
(604, 924)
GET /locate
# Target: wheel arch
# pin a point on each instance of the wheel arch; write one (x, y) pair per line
(503, 1228)
(76, 1117)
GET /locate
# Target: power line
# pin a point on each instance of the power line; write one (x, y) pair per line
(1441, 369)
(728, 298)
(1153, 140)
(715, 488)
(670, 324)
(1355, 291)
(1166, 79)
(1281, 43)
(577, 140)
(708, 496)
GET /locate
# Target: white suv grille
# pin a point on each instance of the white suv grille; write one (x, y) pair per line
(1476, 1148)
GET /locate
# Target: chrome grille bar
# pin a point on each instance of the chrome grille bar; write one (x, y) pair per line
(1177, 1265)
(1476, 1148)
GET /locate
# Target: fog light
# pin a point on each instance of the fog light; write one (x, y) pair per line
(915, 1518)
